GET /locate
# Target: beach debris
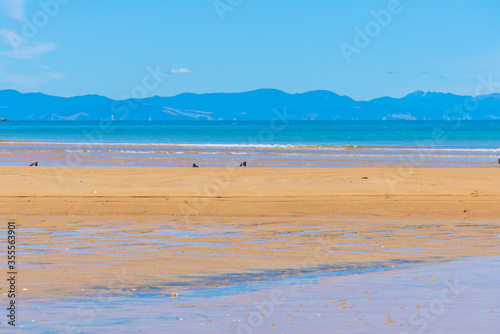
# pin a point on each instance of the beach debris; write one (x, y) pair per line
(364, 178)
(195, 166)
(34, 164)
(174, 294)
(243, 164)
(475, 193)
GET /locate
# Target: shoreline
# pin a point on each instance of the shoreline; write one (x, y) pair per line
(263, 155)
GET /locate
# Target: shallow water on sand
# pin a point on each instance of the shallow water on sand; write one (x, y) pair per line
(68, 255)
(453, 297)
(331, 274)
(180, 155)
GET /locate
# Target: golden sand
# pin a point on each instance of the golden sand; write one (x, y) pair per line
(99, 230)
(229, 192)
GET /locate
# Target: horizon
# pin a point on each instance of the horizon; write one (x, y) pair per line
(364, 50)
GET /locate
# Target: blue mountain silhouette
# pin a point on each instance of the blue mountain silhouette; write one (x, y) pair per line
(262, 104)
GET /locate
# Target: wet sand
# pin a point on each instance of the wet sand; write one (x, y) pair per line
(90, 232)
(453, 297)
(69, 257)
(89, 154)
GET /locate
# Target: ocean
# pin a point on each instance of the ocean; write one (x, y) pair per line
(275, 143)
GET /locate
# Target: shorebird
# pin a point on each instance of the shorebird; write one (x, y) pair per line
(34, 164)
(243, 164)
(195, 165)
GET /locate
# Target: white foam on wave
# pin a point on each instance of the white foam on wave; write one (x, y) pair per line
(184, 145)
(434, 149)
(427, 149)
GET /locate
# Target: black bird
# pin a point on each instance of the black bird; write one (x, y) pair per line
(34, 164)
(195, 165)
(243, 164)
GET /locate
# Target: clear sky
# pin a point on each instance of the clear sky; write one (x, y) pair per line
(78, 47)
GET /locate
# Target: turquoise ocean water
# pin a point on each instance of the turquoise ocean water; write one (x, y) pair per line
(290, 143)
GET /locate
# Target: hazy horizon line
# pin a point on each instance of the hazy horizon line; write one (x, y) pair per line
(250, 91)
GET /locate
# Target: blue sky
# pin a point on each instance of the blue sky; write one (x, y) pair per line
(77, 47)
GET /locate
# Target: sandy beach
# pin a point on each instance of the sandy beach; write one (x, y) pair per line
(249, 192)
(89, 232)
(185, 227)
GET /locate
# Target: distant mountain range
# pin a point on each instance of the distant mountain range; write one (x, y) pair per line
(262, 104)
